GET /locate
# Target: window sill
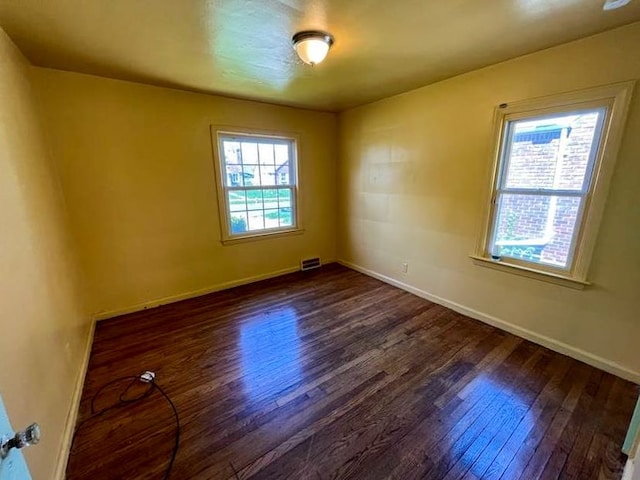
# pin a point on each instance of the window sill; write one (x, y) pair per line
(549, 277)
(262, 236)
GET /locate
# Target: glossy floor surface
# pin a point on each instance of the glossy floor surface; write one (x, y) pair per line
(332, 374)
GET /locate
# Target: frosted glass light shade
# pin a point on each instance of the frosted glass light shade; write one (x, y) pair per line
(312, 47)
(613, 4)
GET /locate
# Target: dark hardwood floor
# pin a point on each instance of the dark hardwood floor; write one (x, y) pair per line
(332, 374)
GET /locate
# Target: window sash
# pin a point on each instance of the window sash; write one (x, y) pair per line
(543, 191)
(575, 236)
(261, 187)
(289, 143)
(236, 137)
(293, 207)
(508, 126)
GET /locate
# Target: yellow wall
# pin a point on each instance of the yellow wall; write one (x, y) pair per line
(414, 172)
(44, 332)
(137, 169)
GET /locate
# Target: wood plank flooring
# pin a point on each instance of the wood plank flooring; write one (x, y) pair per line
(331, 374)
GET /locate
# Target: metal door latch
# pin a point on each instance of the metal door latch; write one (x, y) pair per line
(29, 436)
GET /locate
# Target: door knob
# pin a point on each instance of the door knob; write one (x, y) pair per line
(28, 436)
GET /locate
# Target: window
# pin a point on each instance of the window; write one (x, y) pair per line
(258, 187)
(554, 158)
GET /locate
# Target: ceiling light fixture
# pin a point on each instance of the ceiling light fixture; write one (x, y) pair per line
(613, 4)
(312, 46)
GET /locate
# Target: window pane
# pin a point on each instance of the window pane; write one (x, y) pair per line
(536, 228)
(282, 176)
(267, 175)
(281, 153)
(233, 170)
(231, 151)
(266, 153)
(249, 152)
(552, 152)
(271, 218)
(251, 175)
(270, 198)
(234, 176)
(254, 200)
(237, 201)
(256, 220)
(284, 196)
(286, 217)
(238, 222)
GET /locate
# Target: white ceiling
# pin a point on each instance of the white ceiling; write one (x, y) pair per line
(242, 48)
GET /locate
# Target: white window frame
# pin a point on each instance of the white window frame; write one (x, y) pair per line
(219, 133)
(614, 99)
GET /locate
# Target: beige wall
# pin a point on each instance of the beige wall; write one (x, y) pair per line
(44, 332)
(137, 170)
(414, 172)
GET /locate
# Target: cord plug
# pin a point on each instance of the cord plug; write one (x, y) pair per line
(148, 377)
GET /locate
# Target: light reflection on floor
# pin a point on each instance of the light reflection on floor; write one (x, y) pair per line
(270, 352)
(507, 414)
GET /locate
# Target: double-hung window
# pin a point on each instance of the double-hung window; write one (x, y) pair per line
(553, 161)
(257, 184)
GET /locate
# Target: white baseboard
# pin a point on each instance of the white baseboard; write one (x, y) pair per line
(552, 344)
(72, 415)
(629, 472)
(195, 293)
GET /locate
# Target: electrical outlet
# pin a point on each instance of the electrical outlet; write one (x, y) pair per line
(13, 467)
(405, 267)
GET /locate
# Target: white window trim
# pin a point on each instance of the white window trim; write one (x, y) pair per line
(616, 99)
(218, 131)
